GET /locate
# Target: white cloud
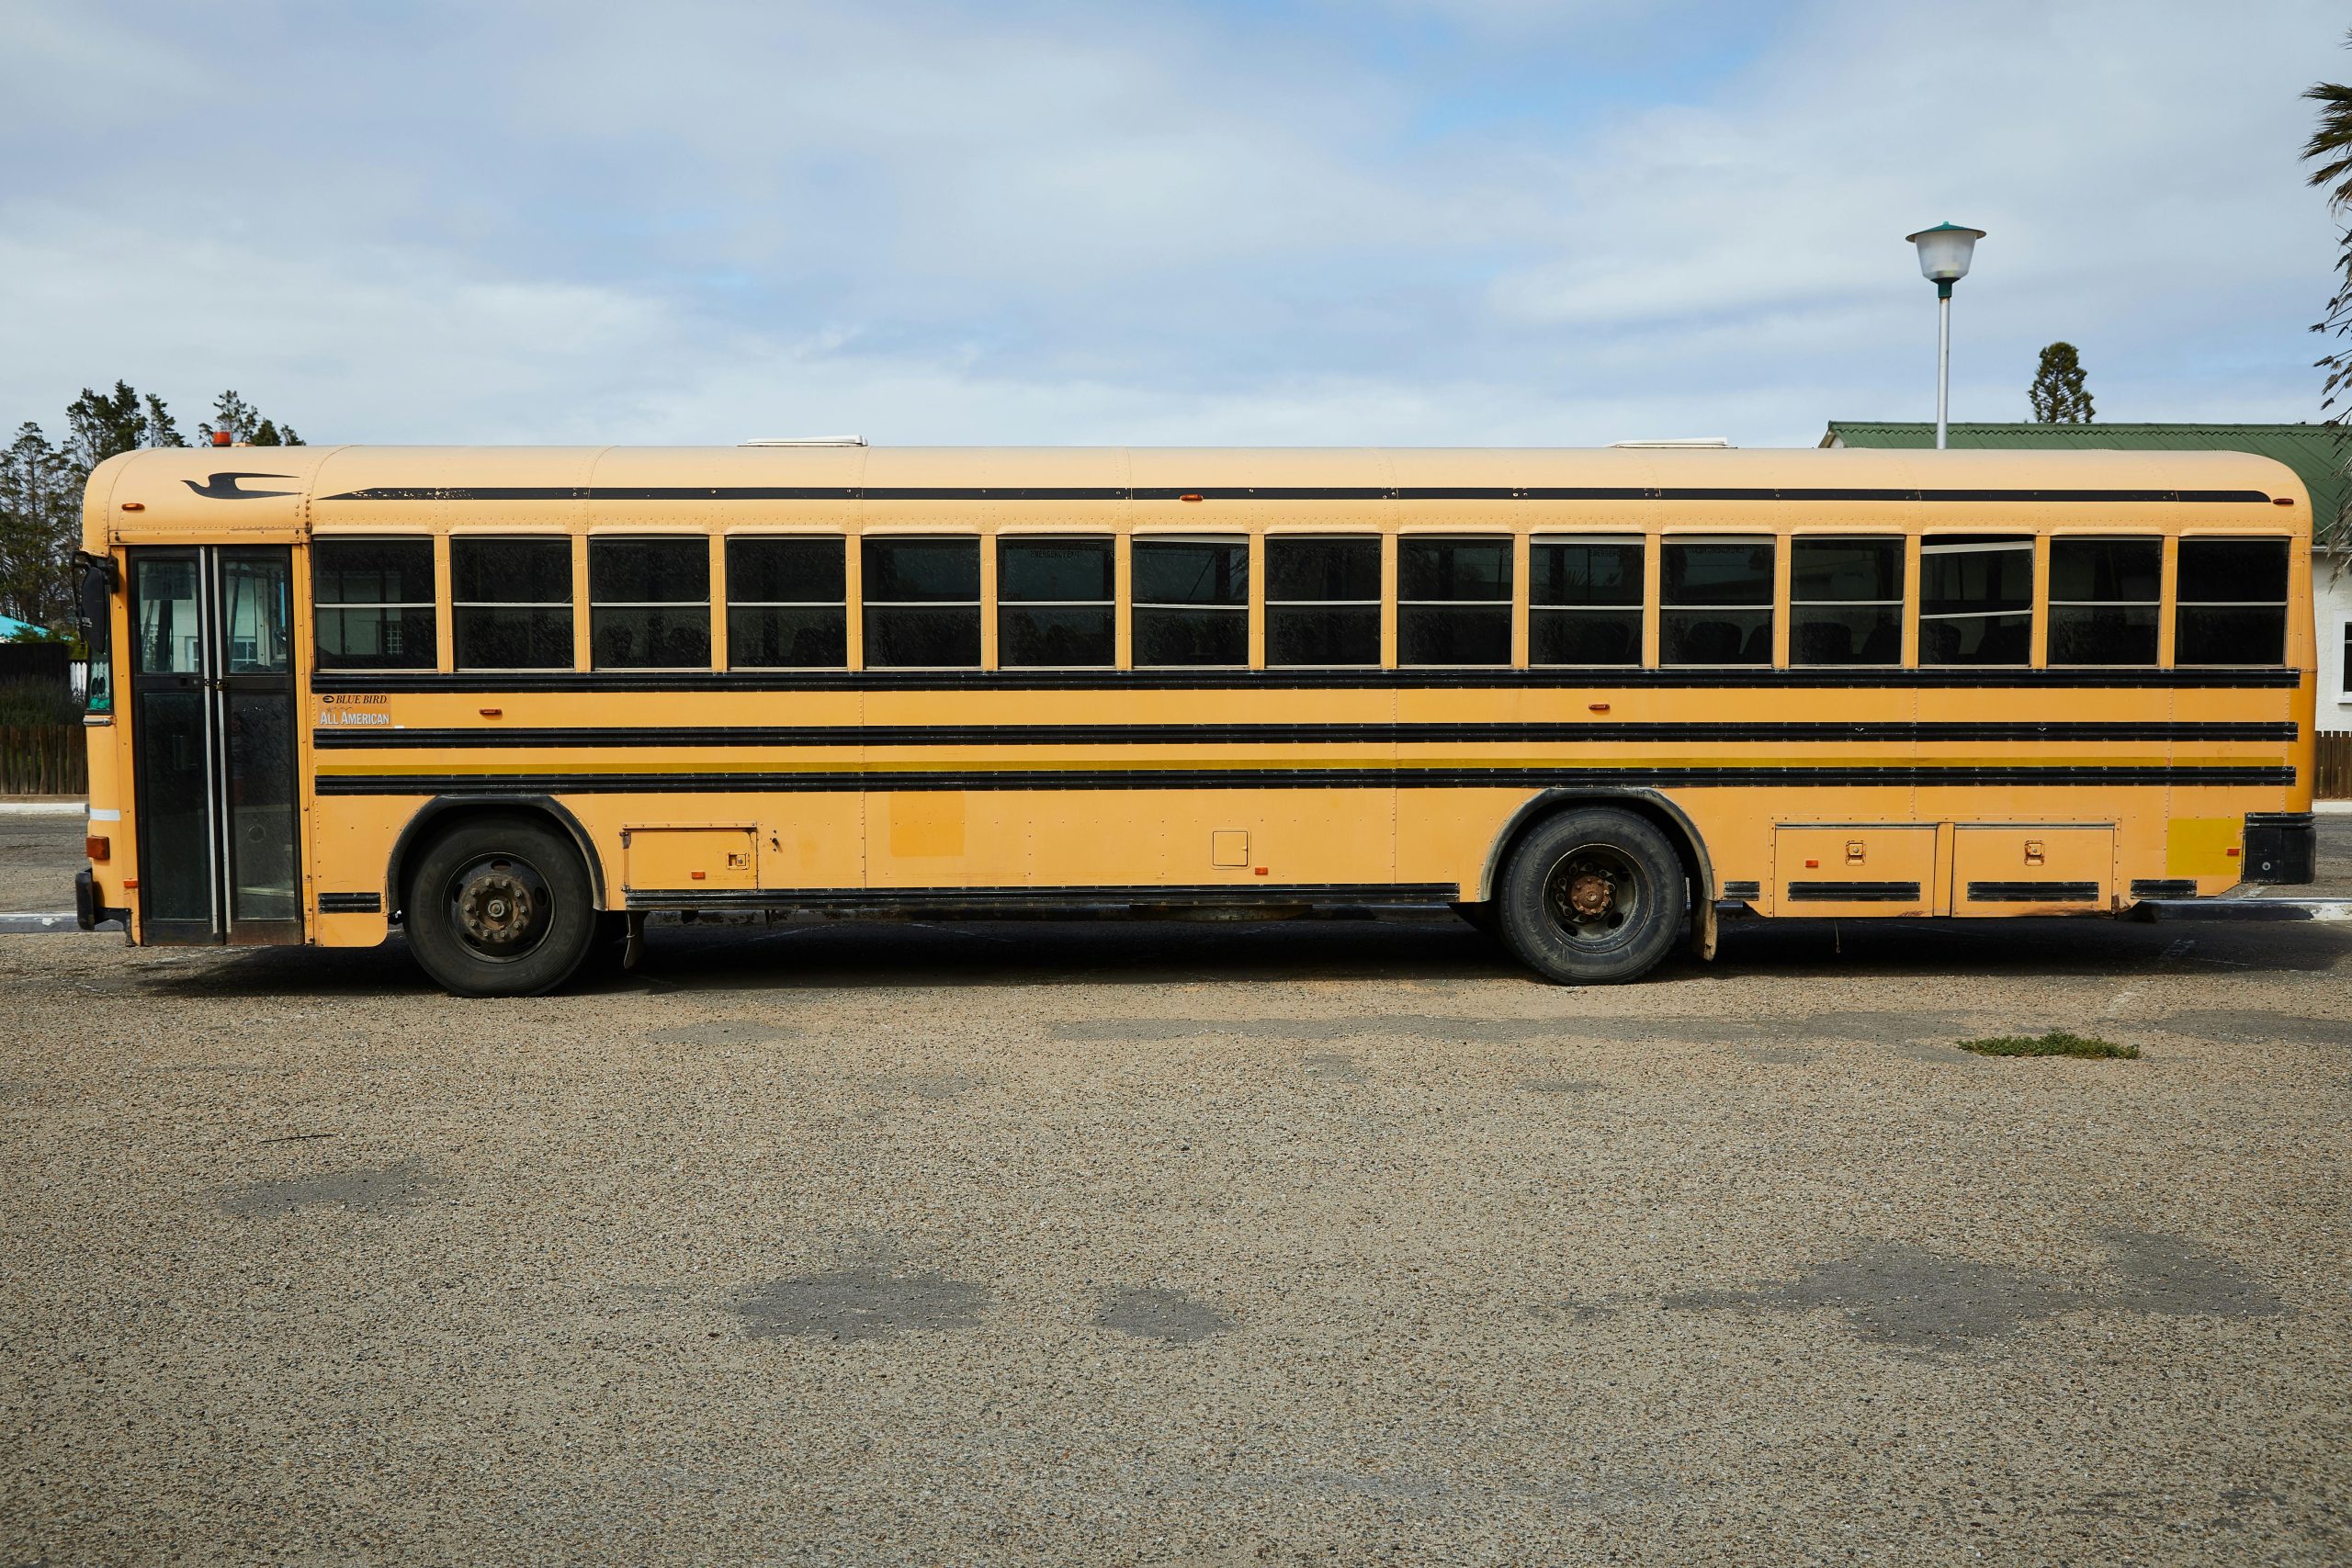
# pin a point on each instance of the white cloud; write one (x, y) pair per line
(934, 222)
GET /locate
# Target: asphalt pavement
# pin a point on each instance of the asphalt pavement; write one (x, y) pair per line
(1326, 1241)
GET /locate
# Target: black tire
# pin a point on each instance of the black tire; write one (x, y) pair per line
(1593, 895)
(499, 907)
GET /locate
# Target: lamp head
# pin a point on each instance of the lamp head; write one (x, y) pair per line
(1944, 252)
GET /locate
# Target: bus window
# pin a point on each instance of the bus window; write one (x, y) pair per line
(1845, 600)
(1454, 601)
(1054, 603)
(2104, 599)
(1192, 600)
(1585, 600)
(1716, 599)
(511, 603)
(1975, 599)
(923, 604)
(2233, 602)
(373, 603)
(787, 603)
(1322, 599)
(648, 604)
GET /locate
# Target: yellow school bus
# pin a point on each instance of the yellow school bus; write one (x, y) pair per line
(511, 700)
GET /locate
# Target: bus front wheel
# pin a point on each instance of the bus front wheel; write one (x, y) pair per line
(1592, 895)
(499, 907)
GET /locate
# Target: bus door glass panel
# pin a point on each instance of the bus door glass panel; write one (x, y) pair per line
(257, 723)
(213, 729)
(172, 780)
(1977, 599)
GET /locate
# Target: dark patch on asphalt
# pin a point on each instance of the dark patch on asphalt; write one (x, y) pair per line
(2227, 1024)
(719, 1032)
(1169, 1316)
(943, 1085)
(1775, 1055)
(2169, 1274)
(1685, 1030)
(1403, 1488)
(1332, 1066)
(1928, 1050)
(863, 1304)
(1909, 1298)
(380, 1190)
(1558, 1085)
(1569, 1310)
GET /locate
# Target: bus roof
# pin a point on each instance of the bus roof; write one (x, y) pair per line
(284, 492)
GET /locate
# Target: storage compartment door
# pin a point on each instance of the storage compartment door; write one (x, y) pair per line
(2029, 869)
(687, 860)
(1853, 869)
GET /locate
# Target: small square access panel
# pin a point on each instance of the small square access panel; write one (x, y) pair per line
(1228, 848)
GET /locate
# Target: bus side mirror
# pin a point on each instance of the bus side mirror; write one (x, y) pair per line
(95, 579)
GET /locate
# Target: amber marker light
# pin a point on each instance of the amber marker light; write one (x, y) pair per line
(1188, 498)
(134, 506)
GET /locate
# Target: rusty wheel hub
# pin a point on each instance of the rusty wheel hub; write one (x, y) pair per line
(497, 908)
(1590, 894)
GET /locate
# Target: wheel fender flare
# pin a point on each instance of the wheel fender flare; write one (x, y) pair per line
(1544, 802)
(443, 806)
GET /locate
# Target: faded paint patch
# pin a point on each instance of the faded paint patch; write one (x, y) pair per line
(1169, 1316)
(862, 1304)
(382, 1190)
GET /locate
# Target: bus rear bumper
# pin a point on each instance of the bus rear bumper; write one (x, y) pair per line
(2282, 848)
(88, 913)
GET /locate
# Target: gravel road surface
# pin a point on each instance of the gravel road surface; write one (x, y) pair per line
(1181, 1244)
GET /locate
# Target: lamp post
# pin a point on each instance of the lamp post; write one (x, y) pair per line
(1944, 251)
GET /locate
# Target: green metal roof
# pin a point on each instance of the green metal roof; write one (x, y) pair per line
(2318, 453)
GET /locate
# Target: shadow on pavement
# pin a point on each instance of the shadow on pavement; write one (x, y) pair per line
(713, 956)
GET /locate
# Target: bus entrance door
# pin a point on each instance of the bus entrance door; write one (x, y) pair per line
(212, 672)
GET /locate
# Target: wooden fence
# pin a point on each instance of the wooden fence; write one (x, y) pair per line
(2333, 780)
(43, 758)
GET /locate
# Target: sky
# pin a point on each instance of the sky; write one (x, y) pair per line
(1414, 222)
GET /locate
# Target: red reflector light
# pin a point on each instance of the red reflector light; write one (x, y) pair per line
(98, 846)
(2232, 853)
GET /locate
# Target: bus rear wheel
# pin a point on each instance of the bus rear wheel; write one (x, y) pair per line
(499, 907)
(1592, 896)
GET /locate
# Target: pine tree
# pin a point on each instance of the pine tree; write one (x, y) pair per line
(2058, 393)
(102, 424)
(246, 425)
(41, 521)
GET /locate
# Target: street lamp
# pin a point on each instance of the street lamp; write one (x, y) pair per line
(1944, 251)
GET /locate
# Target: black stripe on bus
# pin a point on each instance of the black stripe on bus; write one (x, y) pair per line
(335, 738)
(2163, 887)
(1289, 493)
(351, 903)
(749, 782)
(2032, 892)
(1853, 892)
(1577, 681)
(1253, 894)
